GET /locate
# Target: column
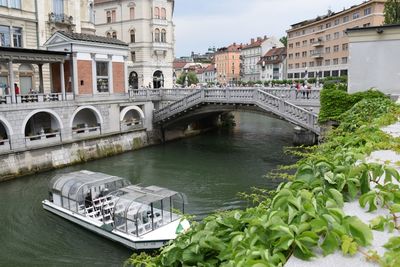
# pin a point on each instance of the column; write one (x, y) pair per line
(126, 84)
(11, 76)
(110, 75)
(62, 80)
(41, 89)
(75, 74)
(94, 73)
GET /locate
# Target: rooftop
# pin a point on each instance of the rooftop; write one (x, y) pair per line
(92, 38)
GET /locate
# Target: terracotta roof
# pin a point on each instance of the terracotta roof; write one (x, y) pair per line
(232, 48)
(210, 67)
(268, 57)
(93, 38)
(179, 64)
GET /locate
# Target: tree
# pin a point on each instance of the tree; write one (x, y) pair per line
(392, 12)
(283, 40)
(191, 78)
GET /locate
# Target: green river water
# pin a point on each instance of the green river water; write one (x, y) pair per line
(210, 169)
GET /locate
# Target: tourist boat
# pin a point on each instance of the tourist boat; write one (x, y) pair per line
(137, 217)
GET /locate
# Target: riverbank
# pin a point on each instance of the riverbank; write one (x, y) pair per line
(307, 216)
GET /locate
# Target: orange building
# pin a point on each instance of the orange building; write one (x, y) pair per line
(227, 64)
(319, 46)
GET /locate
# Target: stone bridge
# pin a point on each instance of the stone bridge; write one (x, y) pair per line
(296, 107)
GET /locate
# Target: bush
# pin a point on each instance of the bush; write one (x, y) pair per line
(335, 102)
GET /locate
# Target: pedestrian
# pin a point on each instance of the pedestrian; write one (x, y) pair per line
(308, 91)
(16, 89)
(297, 89)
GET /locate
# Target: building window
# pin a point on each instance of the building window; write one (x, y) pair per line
(345, 19)
(290, 56)
(344, 60)
(319, 63)
(133, 56)
(297, 55)
(327, 73)
(132, 13)
(108, 15)
(108, 35)
(336, 48)
(156, 13)
(164, 37)
(305, 43)
(157, 36)
(327, 62)
(163, 13)
(17, 37)
(328, 37)
(304, 54)
(5, 36)
(297, 44)
(114, 35)
(297, 65)
(304, 64)
(133, 36)
(290, 66)
(367, 11)
(3, 3)
(345, 47)
(312, 40)
(102, 76)
(290, 46)
(356, 15)
(311, 64)
(335, 61)
(16, 4)
(58, 6)
(366, 25)
(113, 16)
(336, 35)
(328, 25)
(337, 21)
(327, 50)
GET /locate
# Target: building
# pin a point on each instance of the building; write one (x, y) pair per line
(320, 46)
(374, 59)
(28, 24)
(227, 64)
(251, 54)
(273, 65)
(209, 74)
(148, 28)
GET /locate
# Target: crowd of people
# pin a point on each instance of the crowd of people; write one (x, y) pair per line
(303, 90)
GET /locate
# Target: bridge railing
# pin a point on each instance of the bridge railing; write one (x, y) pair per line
(175, 94)
(259, 97)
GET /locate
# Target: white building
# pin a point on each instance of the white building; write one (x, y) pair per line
(148, 28)
(251, 55)
(273, 65)
(374, 59)
(28, 24)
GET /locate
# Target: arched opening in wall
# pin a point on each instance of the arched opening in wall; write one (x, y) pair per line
(25, 78)
(133, 80)
(131, 117)
(86, 121)
(42, 126)
(4, 137)
(158, 79)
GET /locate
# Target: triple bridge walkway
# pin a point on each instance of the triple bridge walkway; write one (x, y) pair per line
(295, 107)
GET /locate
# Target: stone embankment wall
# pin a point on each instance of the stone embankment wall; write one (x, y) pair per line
(61, 155)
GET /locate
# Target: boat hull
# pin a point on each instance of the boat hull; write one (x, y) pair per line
(133, 243)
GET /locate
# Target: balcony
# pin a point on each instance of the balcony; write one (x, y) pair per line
(317, 54)
(61, 18)
(159, 22)
(318, 43)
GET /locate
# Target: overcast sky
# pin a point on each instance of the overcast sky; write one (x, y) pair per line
(201, 24)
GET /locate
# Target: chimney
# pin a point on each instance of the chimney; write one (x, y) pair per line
(265, 37)
(252, 40)
(258, 38)
(234, 44)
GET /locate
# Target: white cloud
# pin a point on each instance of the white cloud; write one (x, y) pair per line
(238, 21)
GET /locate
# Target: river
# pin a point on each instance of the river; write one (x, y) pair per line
(210, 169)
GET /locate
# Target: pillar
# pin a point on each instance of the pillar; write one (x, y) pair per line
(41, 89)
(62, 80)
(126, 84)
(12, 81)
(75, 74)
(110, 75)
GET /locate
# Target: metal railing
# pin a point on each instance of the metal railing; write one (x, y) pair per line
(258, 97)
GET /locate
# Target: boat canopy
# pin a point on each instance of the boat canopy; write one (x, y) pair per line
(74, 187)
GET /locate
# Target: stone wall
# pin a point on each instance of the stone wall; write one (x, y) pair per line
(61, 155)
